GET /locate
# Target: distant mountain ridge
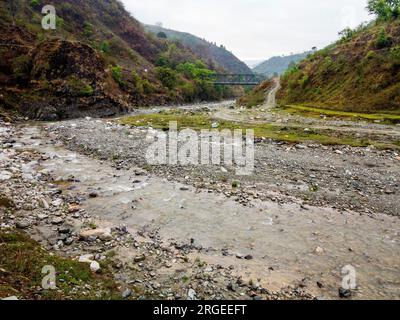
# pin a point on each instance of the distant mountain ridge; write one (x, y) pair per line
(279, 64)
(210, 52)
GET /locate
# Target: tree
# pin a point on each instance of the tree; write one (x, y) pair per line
(167, 76)
(162, 35)
(384, 9)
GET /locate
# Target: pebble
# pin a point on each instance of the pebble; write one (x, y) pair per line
(57, 221)
(95, 266)
(319, 251)
(345, 293)
(127, 293)
(24, 224)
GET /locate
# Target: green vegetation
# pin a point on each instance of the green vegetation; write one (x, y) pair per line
(117, 74)
(78, 87)
(382, 41)
(21, 263)
(34, 3)
(289, 134)
(385, 9)
(317, 112)
(219, 56)
(167, 76)
(359, 73)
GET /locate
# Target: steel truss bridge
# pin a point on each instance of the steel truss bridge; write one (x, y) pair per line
(237, 79)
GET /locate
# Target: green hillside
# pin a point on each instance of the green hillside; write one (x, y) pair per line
(217, 55)
(360, 72)
(98, 61)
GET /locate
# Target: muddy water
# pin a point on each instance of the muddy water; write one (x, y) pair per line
(281, 238)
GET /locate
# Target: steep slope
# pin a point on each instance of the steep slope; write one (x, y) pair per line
(278, 65)
(210, 52)
(361, 72)
(99, 61)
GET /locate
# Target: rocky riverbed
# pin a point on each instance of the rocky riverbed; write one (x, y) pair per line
(83, 189)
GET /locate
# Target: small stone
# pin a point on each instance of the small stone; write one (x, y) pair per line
(139, 258)
(345, 293)
(93, 195)
(231, 287)
(249, 257)
(319, 251)
(23, 224)
(127, 293)
(42, 216)
(58, 202)
(102, 234)
(73, 208)
(64, 230)
(69, 241)
(5, 175)
(191, 294)
(57, 221)
(95, 266)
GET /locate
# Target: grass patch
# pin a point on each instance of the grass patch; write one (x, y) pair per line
(289, 134)
(317, 112)
(21, 263)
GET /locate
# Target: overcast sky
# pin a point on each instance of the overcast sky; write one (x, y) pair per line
(255, 29)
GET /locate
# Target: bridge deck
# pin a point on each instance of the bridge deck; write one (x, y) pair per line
(237, 79)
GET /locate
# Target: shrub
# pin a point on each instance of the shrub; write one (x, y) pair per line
(148, 88)
(78, 87)
(88, 30)
(162, 35)
(137, 82)
(117, 74)
(105, 46)
(167, 77)
(370, 55)
(21, 66)
(34, 3)
(382, 41)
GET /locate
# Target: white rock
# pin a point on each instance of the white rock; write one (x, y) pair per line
(5, 175)
(102, 234)
(87, 258)
(319, 251)
(95, 266)
(58, 202)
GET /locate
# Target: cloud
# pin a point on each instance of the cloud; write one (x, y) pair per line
(255, 29)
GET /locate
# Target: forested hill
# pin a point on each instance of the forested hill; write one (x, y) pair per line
(98, 61)
(210, 52)
(279, 64)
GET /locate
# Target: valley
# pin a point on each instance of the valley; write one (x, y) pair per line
(316, 217)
